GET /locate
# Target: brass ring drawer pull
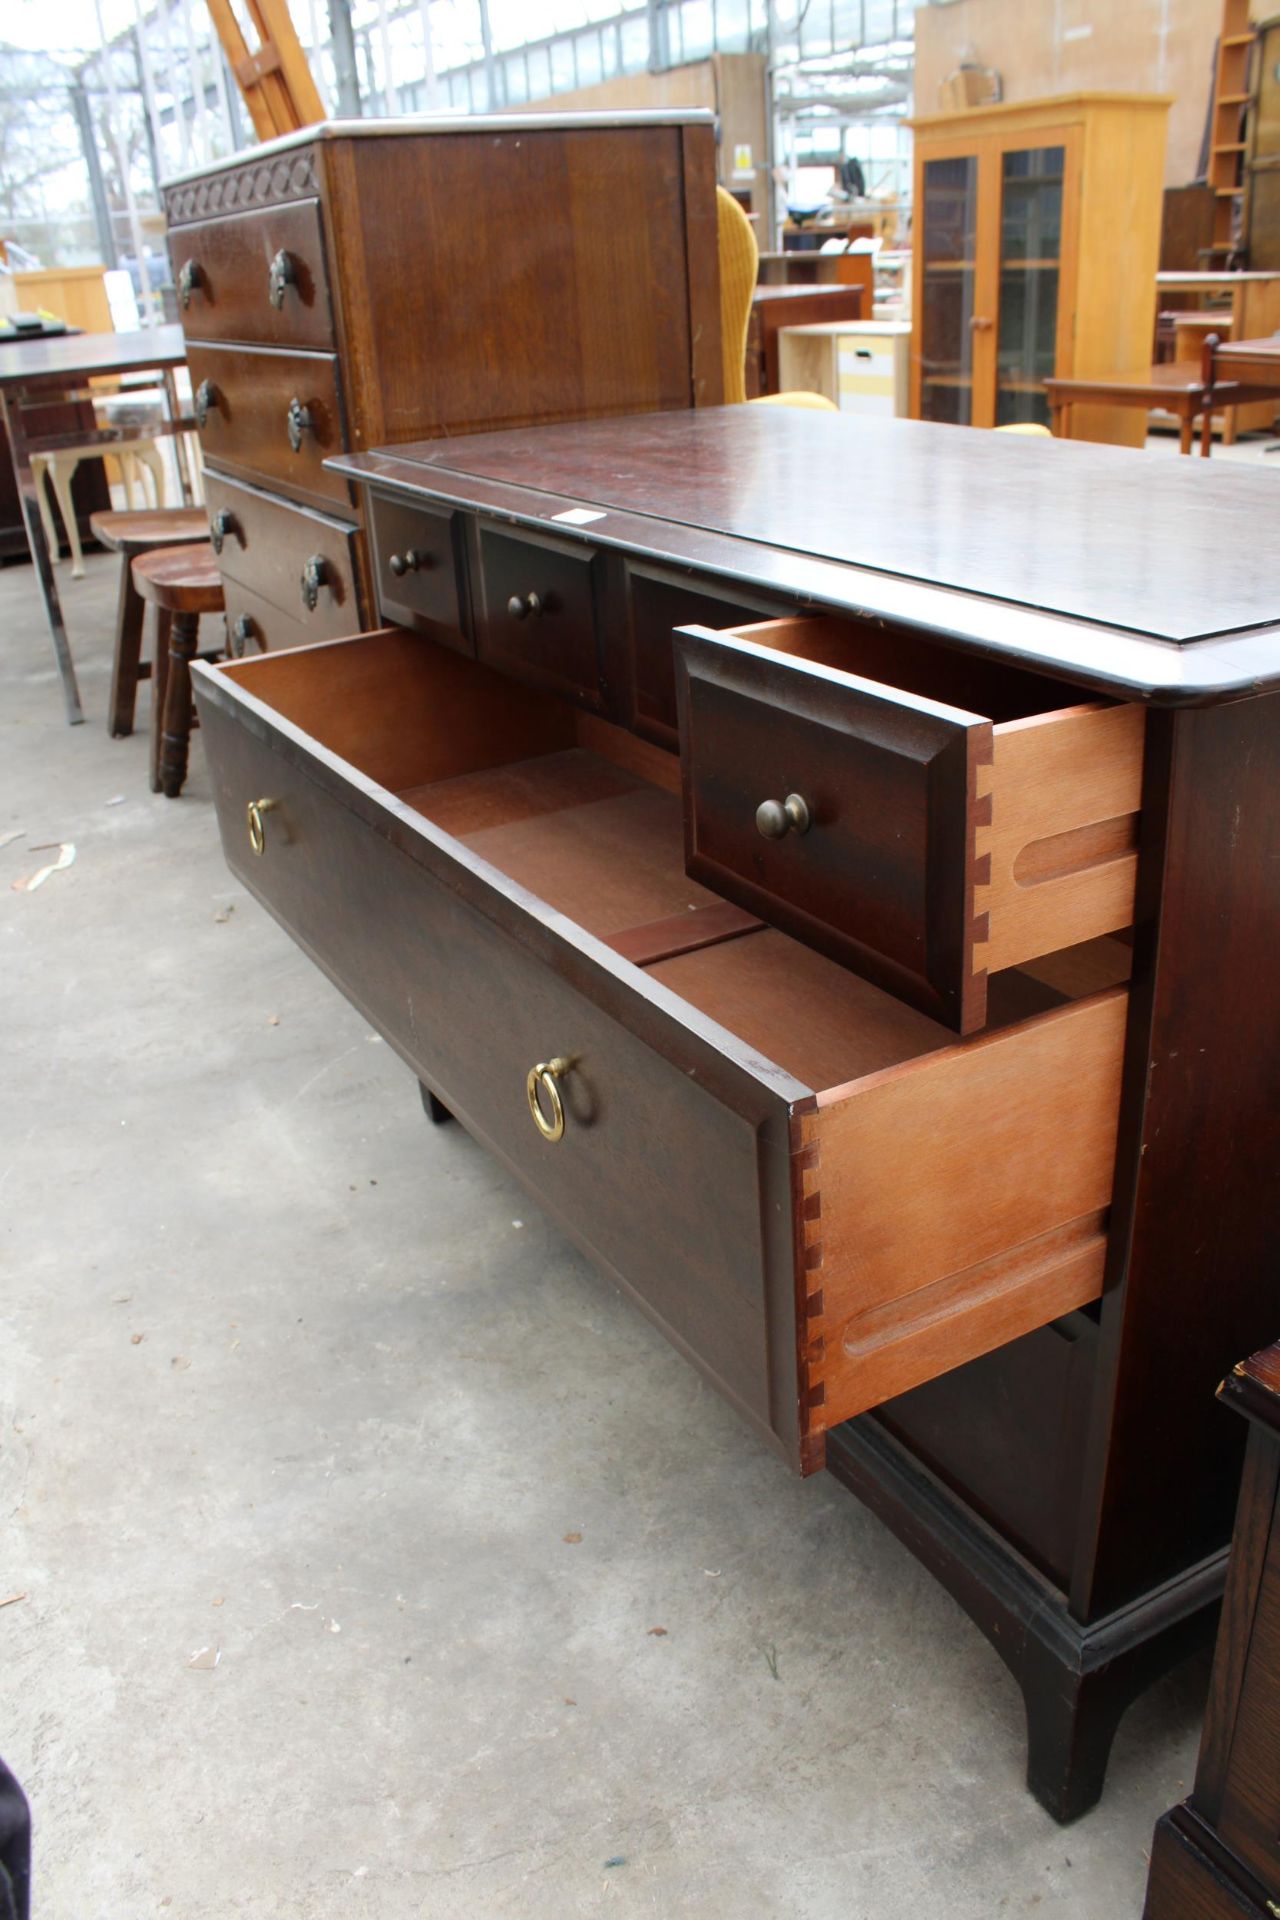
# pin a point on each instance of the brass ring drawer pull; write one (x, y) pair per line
(544, 1076)
(257, 826)
(777, 818)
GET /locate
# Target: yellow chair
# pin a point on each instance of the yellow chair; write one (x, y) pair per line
(1027, 426)
(739, 264)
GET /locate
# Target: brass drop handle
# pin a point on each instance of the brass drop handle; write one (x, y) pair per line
(411, 561)
(244, 629)
(980, 323)
(281, 274)
(190, 276)
(777, 818)
(314, 575)
(526, 606)
(223, 523)
(257, 827)
(300, 422)
(542, 1079)
(206, 397)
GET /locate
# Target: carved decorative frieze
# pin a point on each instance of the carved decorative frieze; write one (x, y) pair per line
(261, 183)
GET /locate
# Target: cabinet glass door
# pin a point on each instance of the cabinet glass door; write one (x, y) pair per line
(950, 215)
(1030, 263)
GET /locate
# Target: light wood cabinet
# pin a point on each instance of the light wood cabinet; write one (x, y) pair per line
(1037, 241)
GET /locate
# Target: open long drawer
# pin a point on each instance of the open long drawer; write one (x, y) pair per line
(819, 1193)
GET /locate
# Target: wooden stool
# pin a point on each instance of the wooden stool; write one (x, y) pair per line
(183, 583)
(131, 534)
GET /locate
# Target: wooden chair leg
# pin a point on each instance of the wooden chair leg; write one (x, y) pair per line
(64, 472)
(176, 738)
(130, 614)
(147, 455)
(159, 687)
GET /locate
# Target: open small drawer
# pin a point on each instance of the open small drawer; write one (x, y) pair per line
(925, 818)
(820, 1195)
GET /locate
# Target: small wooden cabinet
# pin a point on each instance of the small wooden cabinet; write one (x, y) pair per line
(360, 284)
(1037, 240)
(1217, 1856)
(863, 365)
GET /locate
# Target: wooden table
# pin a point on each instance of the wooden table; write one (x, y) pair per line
(1247, 304)
(38, 372)
(815, 269)
(90, 492)
(1178, 388)
(773, 308)
(702, 889)
(1255, 362)
(1250, 364)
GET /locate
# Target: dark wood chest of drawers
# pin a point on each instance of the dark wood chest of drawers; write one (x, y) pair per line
(1217, 1856)
(359, 285)
(854, 929)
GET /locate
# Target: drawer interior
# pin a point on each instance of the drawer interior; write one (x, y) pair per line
(949, 1195)
(589, 818)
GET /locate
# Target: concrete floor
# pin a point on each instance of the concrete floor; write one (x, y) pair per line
(289, 1374)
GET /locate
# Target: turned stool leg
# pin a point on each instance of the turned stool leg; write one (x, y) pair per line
(177, 703)
(130, 613)
(159, 687)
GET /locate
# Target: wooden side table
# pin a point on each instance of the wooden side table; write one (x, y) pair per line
(1217, 1856)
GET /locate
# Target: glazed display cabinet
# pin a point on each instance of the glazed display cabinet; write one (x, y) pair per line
(1037, 244)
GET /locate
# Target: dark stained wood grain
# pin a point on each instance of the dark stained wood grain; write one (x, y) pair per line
(656, 605)
(246, 430)
(418, 568)
(881, 879)
(773, 308)
(267, 545)
(228, 264)
(1190, 1878)
(1092, 533)
(498, 278)
(1195, 1245)
(535, 612)
(1218, 1853)
(674, 1161)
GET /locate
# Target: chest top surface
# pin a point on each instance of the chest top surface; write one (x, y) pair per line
(1173, 560)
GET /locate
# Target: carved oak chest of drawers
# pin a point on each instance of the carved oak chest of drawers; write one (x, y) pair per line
(357, 285)
(854, 926)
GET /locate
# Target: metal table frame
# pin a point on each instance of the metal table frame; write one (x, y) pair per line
(36, 372)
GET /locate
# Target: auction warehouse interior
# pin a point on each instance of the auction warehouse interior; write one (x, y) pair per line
(640, 885)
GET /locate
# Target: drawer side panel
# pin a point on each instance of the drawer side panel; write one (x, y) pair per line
(960, 1200)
